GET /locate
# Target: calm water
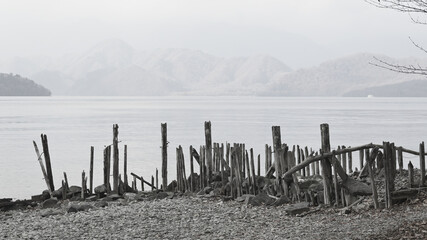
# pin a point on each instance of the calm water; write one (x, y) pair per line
(73, 124)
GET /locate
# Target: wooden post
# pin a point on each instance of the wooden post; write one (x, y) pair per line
(178, 171)
(107, 156)
(201, 167)
(164, 156)
(400, 159)
(125, 166)
(184, 175)
(344, 160)
(208, 142)
(267, 166)
(152, 183)
(83, 186)
(410, 175)
(157, 178)
(277, 145)
(142, 184)
(45, 176)
(232, 166)
(299, 158)
(66, 181)
(191, 170)
(302, 160)
(246, 160)
(47, 160)
(254, 185)
(223, 163)
(92, 150)
(64, 191)
(387, 174)
(361, 159)
(393, 161)
(307, 169)
(336, 185)
(326, 164)
(134, 184)
(350, 161)
(370, 161)
(422, 164)
(115, 158)
(317, 168)
(259, 165)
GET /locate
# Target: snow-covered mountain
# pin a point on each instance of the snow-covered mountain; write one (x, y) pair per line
(114, 68)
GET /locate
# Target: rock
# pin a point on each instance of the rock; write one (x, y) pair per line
(297, 208)
(282, 200)
(244, 197)
(259, 200)
(130, 196)
(50, 212)
(357, 188)
(201, 192)
(140, 197)
(101, 204)
(101, 190)
(57, 193)
(162, 195)
(92, 198)
(207, 190)
(216, 192)
(73, 208)
(51, 202)
(171, 187)
(74, 190)
(84, 207)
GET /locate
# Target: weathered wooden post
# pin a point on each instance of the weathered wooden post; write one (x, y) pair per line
(208, 142)
(142, 184)
(125, 166)
(164, 156)
(223, 163)
(307, 169)
(107, 156)
(350, 161)
(152, 183)
(178, 171)
(326, 163)
(410, 175)
(337, 203)
(254, 183)
(370, 161)
(344, 160)
(267, 166)
(191, 170)
(393, 161)
(45, 176)
(277, 145)
(47, 160)
(387, 174)
(157, 178)
(249, 185)
(259, 165)
(232, 169)
(92, 150)
(400, 159)
(83, 186)
(115, 158)
(361, 159)
(422, 164)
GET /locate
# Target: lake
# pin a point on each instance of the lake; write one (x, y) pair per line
(73, 124)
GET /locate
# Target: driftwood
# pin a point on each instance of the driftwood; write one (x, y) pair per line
(39, 158)
(142, 180)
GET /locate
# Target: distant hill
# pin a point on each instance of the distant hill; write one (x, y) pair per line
(15, 85)
(415, 88)
(341, 77)
(113, 68)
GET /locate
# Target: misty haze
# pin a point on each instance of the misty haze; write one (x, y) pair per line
(198, 119)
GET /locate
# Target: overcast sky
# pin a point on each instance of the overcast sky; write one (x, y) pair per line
(300, 33)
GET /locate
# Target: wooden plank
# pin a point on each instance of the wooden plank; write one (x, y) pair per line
(142, 180)
(373, 155)
(45, 176)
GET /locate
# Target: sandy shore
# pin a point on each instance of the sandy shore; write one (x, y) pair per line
(194, 217)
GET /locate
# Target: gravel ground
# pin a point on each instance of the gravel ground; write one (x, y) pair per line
(200, 218)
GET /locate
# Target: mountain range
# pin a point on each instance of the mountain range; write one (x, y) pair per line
(114, 68)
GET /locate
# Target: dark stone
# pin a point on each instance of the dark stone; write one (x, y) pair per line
(260, 199)
(207, 190)
(297, 208)
(51, 202)
(46, 194)
(84, 207)
(75, 190)
(357, 188)
(72, 209)
(216, 192)
(100, 190)
(57, 193)
(171, 187)
(101, 204)
(92, 198)
(50, 212)
(244, 197)
(162, 195)
(282, 200)
(112, 197)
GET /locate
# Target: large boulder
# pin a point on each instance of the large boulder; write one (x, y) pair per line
(357, 188)
(49, 203)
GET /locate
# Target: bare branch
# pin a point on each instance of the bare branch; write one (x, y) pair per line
(410, 69)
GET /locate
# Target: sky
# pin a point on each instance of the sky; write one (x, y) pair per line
(299, 33)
